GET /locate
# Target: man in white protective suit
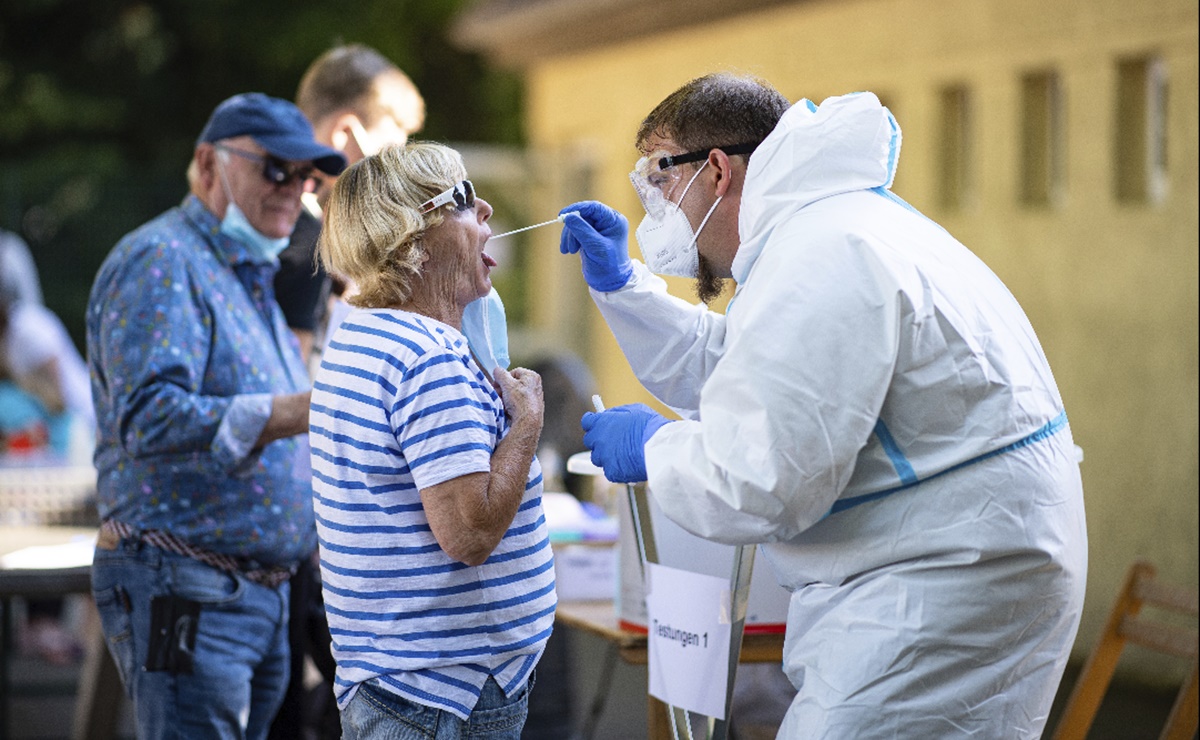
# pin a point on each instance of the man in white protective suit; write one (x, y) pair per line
(873, 408)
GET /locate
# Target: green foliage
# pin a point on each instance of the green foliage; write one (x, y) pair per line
(102, 101)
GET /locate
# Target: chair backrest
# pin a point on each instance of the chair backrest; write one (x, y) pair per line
(1125, 625)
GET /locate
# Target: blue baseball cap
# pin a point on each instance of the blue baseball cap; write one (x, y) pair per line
(276, 124)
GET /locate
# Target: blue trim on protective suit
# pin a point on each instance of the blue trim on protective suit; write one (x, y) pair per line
(903, 468)
(1050, 429)
(881, 190)
(893, 149)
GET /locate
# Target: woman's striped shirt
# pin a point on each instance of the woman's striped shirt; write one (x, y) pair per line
(398, 405)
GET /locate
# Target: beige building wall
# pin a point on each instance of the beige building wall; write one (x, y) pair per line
(1111, 288)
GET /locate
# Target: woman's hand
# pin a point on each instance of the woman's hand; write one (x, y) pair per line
(521, 392)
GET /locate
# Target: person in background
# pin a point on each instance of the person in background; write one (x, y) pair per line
(435, 556)
(202, 402)
(32, 387)
(873, 408)
(18, 272)
(39, 361)
(357, 102)
(46, 416)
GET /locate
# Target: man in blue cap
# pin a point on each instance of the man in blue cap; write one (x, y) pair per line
(202, 408)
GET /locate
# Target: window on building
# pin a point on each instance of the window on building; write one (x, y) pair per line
(955, 176)
(1042, 140)
(1140, 149)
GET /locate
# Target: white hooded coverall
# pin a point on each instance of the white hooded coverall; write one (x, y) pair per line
(875, 410)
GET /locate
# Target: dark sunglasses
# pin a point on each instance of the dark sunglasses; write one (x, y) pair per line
(461, 195)
(274, 170)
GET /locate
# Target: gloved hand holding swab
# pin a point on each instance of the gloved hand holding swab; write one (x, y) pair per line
(581, 462)
(560, 218)
(599, 235)
(617, 438)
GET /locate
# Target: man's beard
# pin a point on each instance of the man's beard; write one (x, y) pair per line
(708, 284)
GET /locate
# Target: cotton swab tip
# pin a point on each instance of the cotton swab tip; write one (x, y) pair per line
(527, 228)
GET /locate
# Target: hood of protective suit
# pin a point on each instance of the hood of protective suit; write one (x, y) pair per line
(850, 142)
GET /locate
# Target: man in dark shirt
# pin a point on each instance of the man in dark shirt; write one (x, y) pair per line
(358, 102)
(302, 286)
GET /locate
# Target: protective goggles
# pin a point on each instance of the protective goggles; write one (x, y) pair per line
(655, 178)
(461, 195)
(274, 170)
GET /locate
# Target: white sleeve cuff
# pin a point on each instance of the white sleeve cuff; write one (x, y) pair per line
(244, 422)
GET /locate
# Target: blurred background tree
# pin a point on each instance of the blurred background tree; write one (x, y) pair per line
(101, 102)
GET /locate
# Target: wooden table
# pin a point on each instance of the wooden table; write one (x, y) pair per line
(99, 693)
(600, 618)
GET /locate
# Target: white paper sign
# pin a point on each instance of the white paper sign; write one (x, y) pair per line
(689, 633)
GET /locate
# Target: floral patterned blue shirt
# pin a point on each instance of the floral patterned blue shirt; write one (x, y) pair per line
(186, 346)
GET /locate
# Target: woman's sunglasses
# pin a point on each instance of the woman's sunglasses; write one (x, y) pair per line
(461, 195)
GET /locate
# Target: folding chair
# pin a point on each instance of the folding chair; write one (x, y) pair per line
(1126, 624)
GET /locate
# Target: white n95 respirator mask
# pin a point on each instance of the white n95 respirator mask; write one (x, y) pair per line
(665, 235)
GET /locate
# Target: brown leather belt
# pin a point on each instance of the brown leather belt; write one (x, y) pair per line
(112, 532)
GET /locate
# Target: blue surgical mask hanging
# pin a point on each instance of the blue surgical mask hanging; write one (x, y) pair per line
(486, 328)
(236, 226)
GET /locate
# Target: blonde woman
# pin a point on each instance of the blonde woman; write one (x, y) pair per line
(435, 560)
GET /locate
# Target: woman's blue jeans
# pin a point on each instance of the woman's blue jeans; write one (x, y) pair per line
(239, 666)
(377, 714)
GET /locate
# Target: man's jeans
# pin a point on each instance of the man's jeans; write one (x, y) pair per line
(377, 714)
(239, 665)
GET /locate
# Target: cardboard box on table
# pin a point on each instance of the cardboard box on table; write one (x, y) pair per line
(585, 548)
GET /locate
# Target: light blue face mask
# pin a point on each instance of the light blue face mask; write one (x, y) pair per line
(486, 329)
(236, 226)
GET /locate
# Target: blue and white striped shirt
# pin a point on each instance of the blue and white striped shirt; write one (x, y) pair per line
(399, 405)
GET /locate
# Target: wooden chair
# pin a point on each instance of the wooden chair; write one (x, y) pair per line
(1126, 625)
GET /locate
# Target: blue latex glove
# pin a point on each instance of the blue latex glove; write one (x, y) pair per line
(602, 235)
(617, 438)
